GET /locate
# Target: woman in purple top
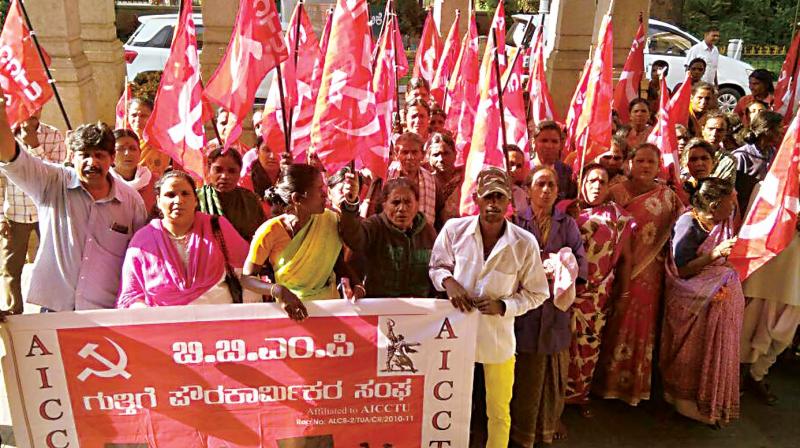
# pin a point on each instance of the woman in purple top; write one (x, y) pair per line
(754, 159)
(543, 334)
(704, 305)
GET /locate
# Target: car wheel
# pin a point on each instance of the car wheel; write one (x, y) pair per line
(728, 97)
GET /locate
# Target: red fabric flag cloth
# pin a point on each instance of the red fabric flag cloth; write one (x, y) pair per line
(593, 133)
(630, 79)
(255, 48)
(771, 222)
(176, 124)
(463, 93)
(429, 51)
(665, 137)
(121, 111)
(452, 47)
(22, 74)
(486, 147)
(299, 92)
(514, 104)
(786, 87)
(542, 106)
(344, 118)
(576, 106)
(679, 103)
(384, 85)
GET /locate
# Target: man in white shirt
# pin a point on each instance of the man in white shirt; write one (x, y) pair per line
(18, 214)
(708, 51)
(488, 263)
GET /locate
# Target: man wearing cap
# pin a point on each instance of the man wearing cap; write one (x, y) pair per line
(497, 270)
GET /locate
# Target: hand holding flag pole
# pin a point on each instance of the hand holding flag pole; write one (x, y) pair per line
(44, 64)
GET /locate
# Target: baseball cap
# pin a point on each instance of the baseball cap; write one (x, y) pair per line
(493, 180)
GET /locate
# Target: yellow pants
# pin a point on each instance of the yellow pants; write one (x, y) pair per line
(499, 380)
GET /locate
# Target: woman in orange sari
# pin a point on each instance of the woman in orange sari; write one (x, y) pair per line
(626, 358)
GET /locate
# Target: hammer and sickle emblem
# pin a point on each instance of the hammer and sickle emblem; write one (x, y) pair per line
(117, 369)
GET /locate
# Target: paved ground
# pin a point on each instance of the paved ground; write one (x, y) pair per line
(617, 425)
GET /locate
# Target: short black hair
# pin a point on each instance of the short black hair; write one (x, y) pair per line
(92, 136)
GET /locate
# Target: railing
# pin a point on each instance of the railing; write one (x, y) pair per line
(768, 57)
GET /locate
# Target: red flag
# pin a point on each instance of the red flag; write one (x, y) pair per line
(384, 85)
(22, 74)
(499, 28)
(664, 136)
(300, 95)
(486, 147)
(576, 105)
(771, 222)
(631, 77)
(542, 107)
(344, 118)
(516, 117)
(121, 111)
(680, 101)
(176, 124)
(786, 87)
(447, 63)
(463, 94)
(255, 48)
(593, 135)
(429, 51)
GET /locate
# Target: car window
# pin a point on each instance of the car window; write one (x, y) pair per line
(162, 38)
(662, 41)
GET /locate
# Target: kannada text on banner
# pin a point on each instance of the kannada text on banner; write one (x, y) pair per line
(380, 373)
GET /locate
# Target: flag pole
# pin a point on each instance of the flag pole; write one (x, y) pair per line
(499, 92)
(46, 68)
(290, 123)
(127, 100)
(396, 78)
(526, 39)
(286, 130)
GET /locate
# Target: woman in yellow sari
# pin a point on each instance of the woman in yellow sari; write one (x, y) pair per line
(302, 245)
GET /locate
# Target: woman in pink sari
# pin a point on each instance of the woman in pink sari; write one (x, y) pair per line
(626, 358)
(606, 230)
(703, 312)
(180, 259)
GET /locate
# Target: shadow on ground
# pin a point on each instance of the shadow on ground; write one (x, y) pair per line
(653, 425)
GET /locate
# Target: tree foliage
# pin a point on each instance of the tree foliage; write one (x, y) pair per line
(755, 21)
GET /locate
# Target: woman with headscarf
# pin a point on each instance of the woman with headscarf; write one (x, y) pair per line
(606, 230)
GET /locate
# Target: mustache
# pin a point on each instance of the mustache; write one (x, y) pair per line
(92, 170)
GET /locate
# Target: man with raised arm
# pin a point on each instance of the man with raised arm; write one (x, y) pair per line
(86, 218)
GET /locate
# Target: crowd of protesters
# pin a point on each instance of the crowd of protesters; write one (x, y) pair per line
(602, 283)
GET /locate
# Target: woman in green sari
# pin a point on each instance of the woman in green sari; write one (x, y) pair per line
(302, 245)
(223, 196)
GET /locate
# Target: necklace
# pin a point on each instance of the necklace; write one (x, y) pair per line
(700, 222)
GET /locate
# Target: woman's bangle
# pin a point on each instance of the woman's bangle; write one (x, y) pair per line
(362, 289)
(271, 291)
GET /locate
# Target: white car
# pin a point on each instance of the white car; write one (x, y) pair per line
(670, 44)
(148, 47)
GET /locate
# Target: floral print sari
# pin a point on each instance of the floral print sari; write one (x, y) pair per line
(603, 229)
(626, 358)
